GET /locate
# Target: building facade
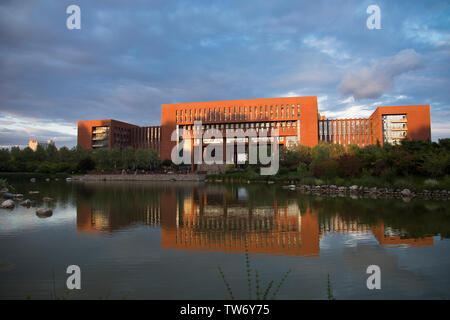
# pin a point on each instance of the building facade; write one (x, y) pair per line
(116, 134)
(385, 125)
(296, 118)
(34, 143)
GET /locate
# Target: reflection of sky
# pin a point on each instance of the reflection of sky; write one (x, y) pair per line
(406, 272)
(22, 219)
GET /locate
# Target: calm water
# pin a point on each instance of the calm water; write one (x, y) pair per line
(165, 241)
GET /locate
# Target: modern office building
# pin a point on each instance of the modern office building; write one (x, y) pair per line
(296, 118)
(112, 133)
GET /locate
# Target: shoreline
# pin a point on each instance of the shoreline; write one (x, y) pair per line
(140, 177)
(357, 192)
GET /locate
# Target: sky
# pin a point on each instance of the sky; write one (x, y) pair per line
(129, 57)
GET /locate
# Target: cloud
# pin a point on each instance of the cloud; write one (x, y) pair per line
(356, 111)
(373, 81)
(327, 45)
(426, 34)
(15, 130)
(129, 59)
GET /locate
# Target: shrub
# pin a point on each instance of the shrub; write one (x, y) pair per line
(368, 181)
(349, 166)
(85, 165)
(388, 175)
(308, 180)
(431, 183)
(229, 168)
(403, 183)
(339, 181)
(302, 169)
(325, 169)
(46, 167)
(379, 166)
(318, 182)
(166, 163)
(445, 183)
(283, 171)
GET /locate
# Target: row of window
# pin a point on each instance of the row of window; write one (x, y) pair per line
(394, 128)
(351, 130)
(147, 136)
(342, 127)
(247, 125)
(237, 113)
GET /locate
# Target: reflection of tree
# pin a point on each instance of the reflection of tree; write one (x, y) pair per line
(418, 218)
(111, 206)
(267, 216)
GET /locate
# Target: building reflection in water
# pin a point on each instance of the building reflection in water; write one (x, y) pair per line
(219, 219)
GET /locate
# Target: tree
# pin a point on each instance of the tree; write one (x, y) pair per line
(86, 165)
(128, 158)
(147, 160)
(40, 153)
(115, 158)
(51, 152)
(166, 163)
(349, 165)
(102, 159)
(155, 161)
(436, 165)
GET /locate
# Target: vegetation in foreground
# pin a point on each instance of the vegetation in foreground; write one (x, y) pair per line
(261, 293)
(412, 164)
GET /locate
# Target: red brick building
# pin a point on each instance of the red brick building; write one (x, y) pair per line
(112, 133)
(296, 118)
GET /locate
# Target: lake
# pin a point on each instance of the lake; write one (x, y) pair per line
(167, 240)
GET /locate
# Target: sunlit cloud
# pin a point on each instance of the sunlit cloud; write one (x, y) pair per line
(373, 81)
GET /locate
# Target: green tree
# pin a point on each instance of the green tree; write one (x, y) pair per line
(128, 158)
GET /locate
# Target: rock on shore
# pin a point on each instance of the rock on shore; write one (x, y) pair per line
(7, 204)
(44, 213)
